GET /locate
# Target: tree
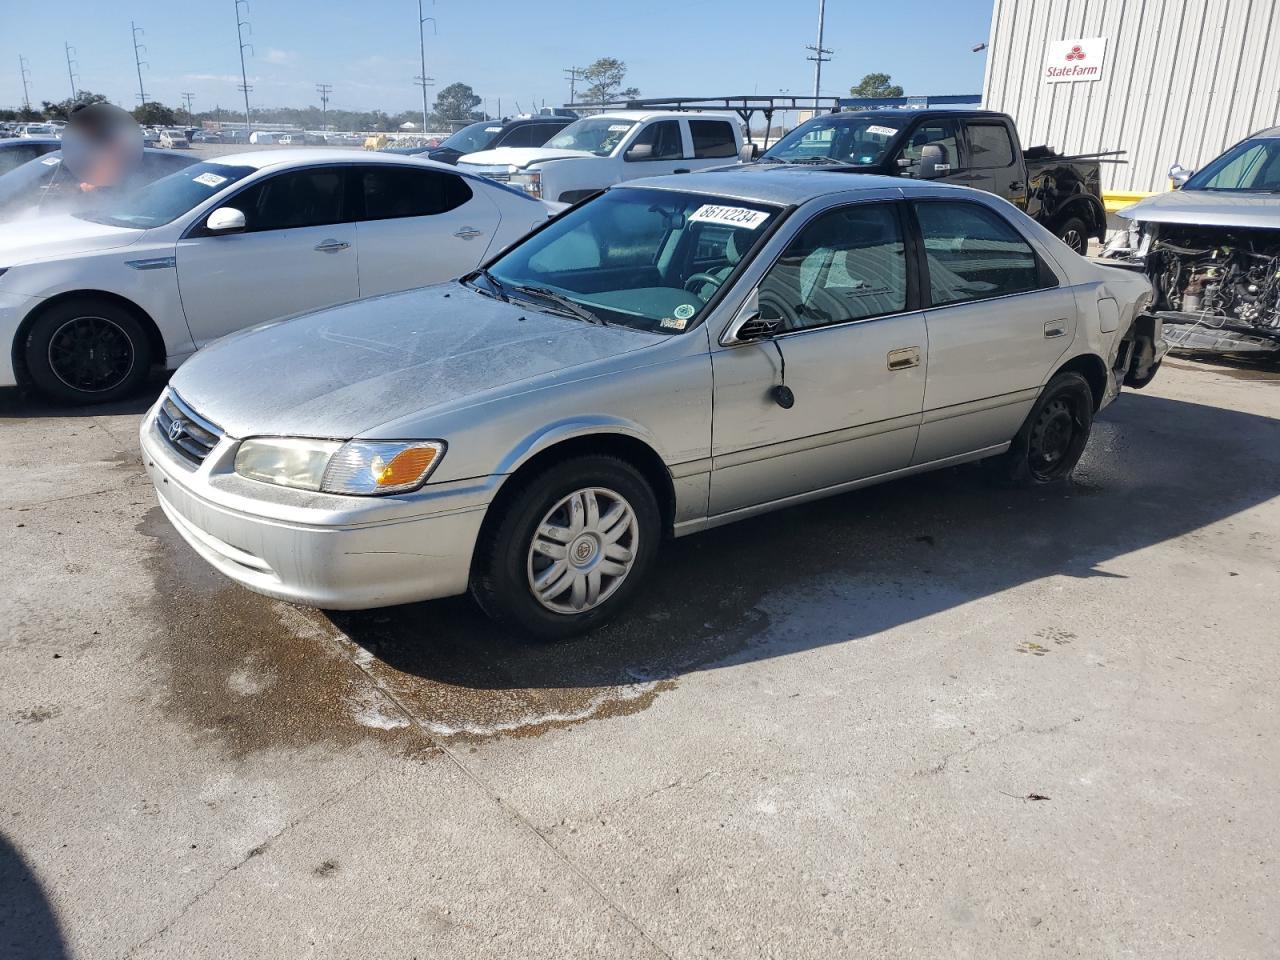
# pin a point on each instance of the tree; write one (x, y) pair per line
(604, 81)
(456, 102)
(152, 114)
(62, 109)
(875, 85)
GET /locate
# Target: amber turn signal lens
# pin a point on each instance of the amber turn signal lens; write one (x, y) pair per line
(405, 467)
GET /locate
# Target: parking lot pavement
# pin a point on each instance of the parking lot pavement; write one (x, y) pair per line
(927, 719)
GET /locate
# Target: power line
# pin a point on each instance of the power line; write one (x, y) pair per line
(24, 69)
(422, 79)
(819, 54)
(138, 61)
(573, 75)
(241, 24)
(324, 89)
(187, 97)
(71, 74)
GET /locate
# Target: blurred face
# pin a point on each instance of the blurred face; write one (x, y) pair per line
(102, 146)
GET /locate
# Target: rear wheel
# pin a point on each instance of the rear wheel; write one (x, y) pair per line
(1053, 436)
(569, 549)
(87, 351)
(1074, 232)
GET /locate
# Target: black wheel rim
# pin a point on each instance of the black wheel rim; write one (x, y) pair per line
(1053, 440)
(91, 354)
(1074, 240)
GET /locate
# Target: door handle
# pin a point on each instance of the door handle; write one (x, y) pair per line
(904, 358)
(329, 246)
(468, 233)
(1055, 328)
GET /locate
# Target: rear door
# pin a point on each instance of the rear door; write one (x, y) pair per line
(993, 158)
(418, 226)
(713, 142)
(297, 253)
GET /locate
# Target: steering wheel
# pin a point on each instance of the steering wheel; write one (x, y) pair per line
(702, 278)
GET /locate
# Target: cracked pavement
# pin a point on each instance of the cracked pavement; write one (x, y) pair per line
(815, 736)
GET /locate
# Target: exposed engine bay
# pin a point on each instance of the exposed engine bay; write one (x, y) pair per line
(1215, 289)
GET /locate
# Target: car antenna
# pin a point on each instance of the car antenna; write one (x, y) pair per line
(782, 395)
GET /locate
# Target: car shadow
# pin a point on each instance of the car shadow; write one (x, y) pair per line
(28, 924)
(19, 404)
(854, 565)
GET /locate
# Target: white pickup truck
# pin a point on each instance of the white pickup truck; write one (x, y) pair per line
(596, 152)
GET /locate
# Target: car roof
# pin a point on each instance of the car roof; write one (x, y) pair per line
(261, 159)
(785, 186)
(1271, 133)
(638, 115)
(907, 113)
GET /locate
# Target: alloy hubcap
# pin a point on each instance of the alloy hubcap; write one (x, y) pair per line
(91, 354)
(1073, 240)
(582, 550)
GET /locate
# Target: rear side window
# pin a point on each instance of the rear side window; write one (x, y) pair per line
(973, 253)
(713, 138)
(989, 146)
(302, 198)
(393, 192)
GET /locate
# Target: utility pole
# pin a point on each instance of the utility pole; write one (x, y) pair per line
(820, 55)
(71, 74)
(187, 97)
(324, 89)
(138, 61)
(241, 24)
(24, 68)
(573, 75)
(422, 79)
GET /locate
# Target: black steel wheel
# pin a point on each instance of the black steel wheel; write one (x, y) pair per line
(87, 351)
(1053, 437)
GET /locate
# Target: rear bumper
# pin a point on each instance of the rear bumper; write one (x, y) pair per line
(293, 546)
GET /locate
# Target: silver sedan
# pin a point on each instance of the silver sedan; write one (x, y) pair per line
(676, 354)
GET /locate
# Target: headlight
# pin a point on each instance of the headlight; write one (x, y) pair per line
(359, 467)
(530, 182)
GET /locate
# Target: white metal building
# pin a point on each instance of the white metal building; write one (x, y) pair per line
(1166, 80)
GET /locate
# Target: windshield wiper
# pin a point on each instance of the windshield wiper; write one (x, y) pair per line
(819, 160)
(499, 291)
(570, 306)
(768, 159)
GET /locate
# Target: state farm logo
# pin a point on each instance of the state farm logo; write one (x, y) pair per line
(1067, 61)
(1075, 53)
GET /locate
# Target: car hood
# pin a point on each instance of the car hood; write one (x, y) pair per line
(344, 371)
(59, 236)
(1209, 208)
(520, 156)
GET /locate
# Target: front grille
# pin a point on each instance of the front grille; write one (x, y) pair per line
(188, 434)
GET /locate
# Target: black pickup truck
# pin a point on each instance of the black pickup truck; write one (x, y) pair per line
(973, 148)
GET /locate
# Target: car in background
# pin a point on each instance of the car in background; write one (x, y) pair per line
(43, 187)
(39, 130)
(1212, 251)
(173, 139)
(535, 432)
(599, 151)
(19, 150)
(89, 303)
(150, 137)
(527, 131)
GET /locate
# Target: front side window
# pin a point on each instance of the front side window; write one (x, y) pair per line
(1252, 166)
(846, 264)
(300, 198)
(989, 146)
(521, 136)
(939, 133)
(392, 192)
(973, 253)
(649, 259)
(658, 141)
(713, 138)
(164, 200)
(598, 135)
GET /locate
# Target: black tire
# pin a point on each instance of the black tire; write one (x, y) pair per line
(504, 560)
(1052, 438)
(1074, 232)
(86, 350)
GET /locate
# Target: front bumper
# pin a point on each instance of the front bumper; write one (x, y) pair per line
(13, 308)
(321, 550)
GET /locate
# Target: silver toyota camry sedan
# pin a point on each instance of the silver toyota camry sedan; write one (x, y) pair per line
(673, 355)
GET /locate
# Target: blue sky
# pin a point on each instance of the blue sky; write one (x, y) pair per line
(515, 51)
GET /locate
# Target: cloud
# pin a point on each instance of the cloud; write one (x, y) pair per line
(280, 56)
(214, 77)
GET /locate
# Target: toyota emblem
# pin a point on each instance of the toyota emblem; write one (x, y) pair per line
(177, 429)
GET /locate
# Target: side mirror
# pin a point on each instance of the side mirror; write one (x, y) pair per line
(1179, 175)
(748, 325)
(749, 152)
(225, 220)
(639, 151)
(932, 164)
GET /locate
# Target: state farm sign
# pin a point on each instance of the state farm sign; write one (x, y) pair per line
(1069, 61)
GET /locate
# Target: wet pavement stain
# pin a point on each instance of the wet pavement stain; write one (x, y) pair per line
(1261, 370)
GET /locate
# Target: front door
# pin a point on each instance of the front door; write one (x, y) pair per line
(296, 253)
(657, 149)
(943, 133)
(854, 348)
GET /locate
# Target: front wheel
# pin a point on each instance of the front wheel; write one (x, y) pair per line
(87, 351)
(1053, 436)
(569, 549)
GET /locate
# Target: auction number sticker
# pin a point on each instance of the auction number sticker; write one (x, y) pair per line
(619, 127)
(733, 216)
(209, 179)
(880, 131)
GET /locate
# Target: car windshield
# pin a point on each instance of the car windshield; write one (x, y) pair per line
(598, 135)
(170, 197)
(643, 258)
(858, 140)
(473, 138)
(1252, 166)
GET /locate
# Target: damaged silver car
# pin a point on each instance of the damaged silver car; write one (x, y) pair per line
(1212, 251)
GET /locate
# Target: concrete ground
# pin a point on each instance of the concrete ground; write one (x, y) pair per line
(930, 719)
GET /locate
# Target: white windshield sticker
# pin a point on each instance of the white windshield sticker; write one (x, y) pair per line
(209, 179)
(50, 161)
(733, 216)
(673, 323)
(492, 129)
(881, 131)
(619, 127)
